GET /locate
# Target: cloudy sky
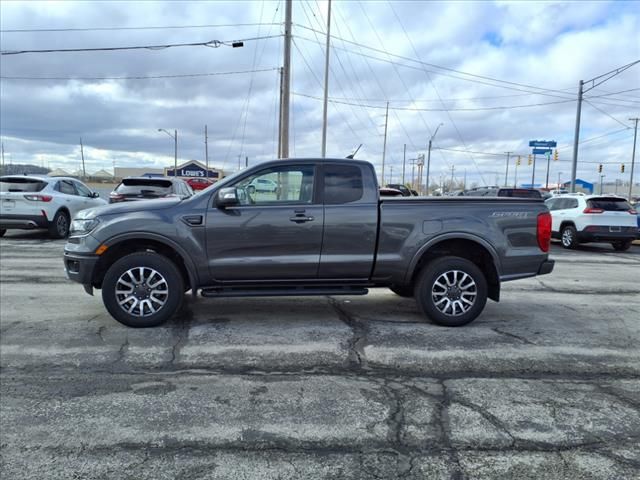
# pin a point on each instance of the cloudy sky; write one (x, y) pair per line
(494, 74)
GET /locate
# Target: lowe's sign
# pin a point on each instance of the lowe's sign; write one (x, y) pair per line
(192, 169)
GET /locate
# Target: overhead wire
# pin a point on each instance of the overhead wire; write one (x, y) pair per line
(210, 43)
(164, 27)
(142, 77)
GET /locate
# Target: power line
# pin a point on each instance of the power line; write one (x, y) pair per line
(210, 43)
(414, 109)
(165, 27)
(144, 77)
(605, 113)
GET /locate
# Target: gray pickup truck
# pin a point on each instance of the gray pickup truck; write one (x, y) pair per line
(306, 227)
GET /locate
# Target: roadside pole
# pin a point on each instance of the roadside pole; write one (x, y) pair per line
(206, 150)
(546, 184)
(633, 158)
(533, 173)
(506, 173)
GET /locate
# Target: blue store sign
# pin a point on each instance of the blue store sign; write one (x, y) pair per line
(192, 170)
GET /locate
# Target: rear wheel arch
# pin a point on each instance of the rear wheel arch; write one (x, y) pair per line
(473, 250)
(120, 248)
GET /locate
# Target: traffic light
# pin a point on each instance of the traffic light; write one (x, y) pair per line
(518, 161)
(622, 168)
(600, 168)
(555, 155)
(530, 160)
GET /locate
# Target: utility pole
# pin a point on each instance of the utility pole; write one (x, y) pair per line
(595, 81)
(420, 168)
(281, 73)
(515, 175)
(404, 160)
(84, 172)
(413, 172)
(633, 157)
(175, 149)
(506, 174)
(464, 181)
(326, 85)
(601, 177)
(548, 164)
(429, 154)
(3, 158)
(533, 173)
(391, 174)
(453, 167)
(384, 146)
(206, 150)
(286, 81)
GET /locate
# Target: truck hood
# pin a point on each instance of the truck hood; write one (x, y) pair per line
(128, 207)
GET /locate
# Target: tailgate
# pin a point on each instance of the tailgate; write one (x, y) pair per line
(14, 203)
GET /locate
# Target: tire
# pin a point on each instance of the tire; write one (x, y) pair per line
(2, 232)
(451, 308)
(59, 226)
(621, 246)
(569, 237)
(405, 291)
(157, 291)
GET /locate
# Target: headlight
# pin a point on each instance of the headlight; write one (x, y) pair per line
(83, 226)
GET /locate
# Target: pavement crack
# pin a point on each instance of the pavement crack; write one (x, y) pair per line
(181, 334)
(122, 351)
(513, 335)
(445, 432)
(100, 332)
(492, 419)
(358, 341)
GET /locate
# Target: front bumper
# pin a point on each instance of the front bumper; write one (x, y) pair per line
(79, 268)
(23, 222)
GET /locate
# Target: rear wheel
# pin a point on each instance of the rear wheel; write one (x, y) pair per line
(569, 237)
(451, 291)
(59, 226)
(402, 290)
(622, 245)
(142, 289)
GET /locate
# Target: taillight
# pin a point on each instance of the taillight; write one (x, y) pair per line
(116, 197)
(39, 198)
(543, 231)
(592, 210)
(632, 212)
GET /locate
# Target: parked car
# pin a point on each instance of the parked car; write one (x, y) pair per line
(403, 189)
(30, 202)
(390, 192)
(503, 192)
(592, 218)
(262, 185)
(199, 183)
(337, 237)
(147, 188)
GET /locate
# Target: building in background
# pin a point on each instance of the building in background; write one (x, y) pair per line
(122, 172)
(194, 169)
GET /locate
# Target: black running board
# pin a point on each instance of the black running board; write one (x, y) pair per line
(281, 292)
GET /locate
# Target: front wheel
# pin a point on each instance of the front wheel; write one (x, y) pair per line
(621, 246)
(451, 291)
(142, 289)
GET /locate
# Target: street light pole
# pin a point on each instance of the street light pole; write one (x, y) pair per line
(506, 174)
(429, 154)
(633, 157)
(175, 149)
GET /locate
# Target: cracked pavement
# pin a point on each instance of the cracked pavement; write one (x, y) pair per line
(544, 384)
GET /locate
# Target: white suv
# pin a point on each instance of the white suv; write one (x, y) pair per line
(578, 219)
(31, 202)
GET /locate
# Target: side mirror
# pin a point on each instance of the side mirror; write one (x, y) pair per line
(227, 197)
(95, 195)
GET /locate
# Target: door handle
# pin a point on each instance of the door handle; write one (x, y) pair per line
(301, 218)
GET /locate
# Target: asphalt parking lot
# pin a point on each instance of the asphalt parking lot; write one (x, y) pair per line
(544, 384)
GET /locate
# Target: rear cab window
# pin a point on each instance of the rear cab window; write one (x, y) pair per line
(19, 184)
(342, 184)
